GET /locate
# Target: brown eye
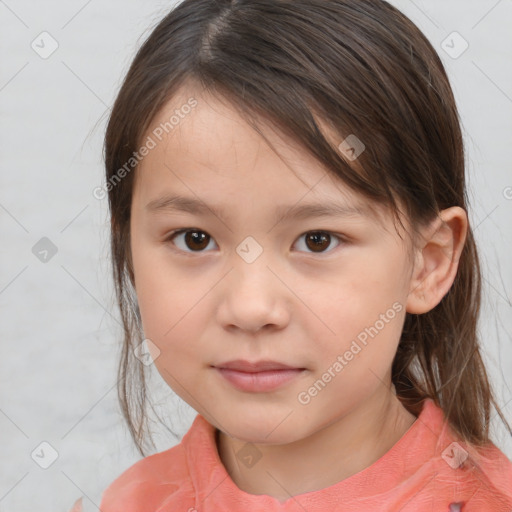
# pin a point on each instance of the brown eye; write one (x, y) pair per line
(194, 240)
(319, 241)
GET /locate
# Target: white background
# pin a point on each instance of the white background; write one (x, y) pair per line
(59, 326)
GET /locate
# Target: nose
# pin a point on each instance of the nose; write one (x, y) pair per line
(253, 296)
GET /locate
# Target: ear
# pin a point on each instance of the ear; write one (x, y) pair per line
(436, 260)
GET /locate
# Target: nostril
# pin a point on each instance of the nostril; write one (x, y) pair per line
(455, 507)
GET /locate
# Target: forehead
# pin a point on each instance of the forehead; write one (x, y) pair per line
(210, 151)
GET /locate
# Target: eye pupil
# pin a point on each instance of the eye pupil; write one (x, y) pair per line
(196, 237)
(318, 240)
(197, 240)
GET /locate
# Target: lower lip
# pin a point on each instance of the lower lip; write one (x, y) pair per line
(259, 382)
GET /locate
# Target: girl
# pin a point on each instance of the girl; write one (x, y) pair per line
(290, 240)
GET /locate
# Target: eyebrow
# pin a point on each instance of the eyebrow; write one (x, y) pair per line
(177, 203)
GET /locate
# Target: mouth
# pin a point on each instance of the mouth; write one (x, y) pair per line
(258, 377)
(241, 365)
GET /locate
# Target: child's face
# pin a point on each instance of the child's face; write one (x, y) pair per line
(212, 297)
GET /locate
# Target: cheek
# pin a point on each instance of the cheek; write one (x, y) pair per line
(173, 317)
(357, 298)
(357, 363)
(171, 308)
(364, 311)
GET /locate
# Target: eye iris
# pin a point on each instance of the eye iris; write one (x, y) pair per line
(318, 240)
(196, 237)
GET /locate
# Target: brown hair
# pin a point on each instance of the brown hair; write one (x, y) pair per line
(366, 69)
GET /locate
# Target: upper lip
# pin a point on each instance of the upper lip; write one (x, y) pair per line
(258, 366)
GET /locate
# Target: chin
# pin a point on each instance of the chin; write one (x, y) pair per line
(271, 430)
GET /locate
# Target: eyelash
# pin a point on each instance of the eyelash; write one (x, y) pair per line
(171, 236)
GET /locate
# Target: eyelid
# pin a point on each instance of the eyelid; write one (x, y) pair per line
(342, 239)
(168, 239)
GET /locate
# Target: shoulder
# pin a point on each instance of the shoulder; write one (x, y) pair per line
(160, 478)
(147, 483)
(482, 475)
(449, 470)
(491, 471)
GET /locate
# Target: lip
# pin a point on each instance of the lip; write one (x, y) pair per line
(259, 377)
(258, 366)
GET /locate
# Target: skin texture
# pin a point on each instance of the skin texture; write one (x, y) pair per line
(201, 307)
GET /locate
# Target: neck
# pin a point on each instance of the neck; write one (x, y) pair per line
(360, 438)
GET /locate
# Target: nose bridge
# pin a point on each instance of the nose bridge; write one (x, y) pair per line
(253, 296)
(251, 261)
(249, 250)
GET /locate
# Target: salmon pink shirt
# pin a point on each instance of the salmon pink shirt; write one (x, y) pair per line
(427, 470)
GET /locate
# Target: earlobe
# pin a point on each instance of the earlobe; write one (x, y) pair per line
(437, 259)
